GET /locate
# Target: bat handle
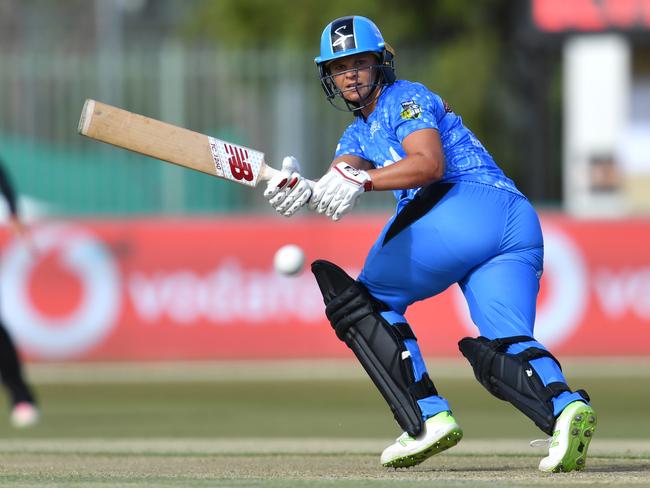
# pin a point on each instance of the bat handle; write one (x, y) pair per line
(267, 173)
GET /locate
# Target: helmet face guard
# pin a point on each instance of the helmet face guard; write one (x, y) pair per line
(336, 96)
(347, 36)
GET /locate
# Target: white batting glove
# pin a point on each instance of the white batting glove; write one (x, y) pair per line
(337, 192)
(288, 190)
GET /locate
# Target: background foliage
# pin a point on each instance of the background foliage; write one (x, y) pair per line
(472, 53)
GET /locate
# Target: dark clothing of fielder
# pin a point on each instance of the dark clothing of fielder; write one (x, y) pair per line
(10, 369)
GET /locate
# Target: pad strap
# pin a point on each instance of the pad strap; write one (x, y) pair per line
(404, 330)
(424, 388)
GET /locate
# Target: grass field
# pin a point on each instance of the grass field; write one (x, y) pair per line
(298, 424)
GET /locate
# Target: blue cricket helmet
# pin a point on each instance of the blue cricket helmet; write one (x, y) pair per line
(350, 35)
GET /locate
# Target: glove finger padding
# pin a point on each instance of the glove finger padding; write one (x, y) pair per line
(328, 196)
(302, 200)
(288, 190)
(344, 208)
(337, 191)
(275, 184)
(290, 168)
(319, 191)
(290, 164)
(334, 201)
(296, 197)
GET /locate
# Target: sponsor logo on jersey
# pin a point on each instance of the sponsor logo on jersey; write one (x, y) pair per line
(342, 35)
(447, 106)
(410, 110)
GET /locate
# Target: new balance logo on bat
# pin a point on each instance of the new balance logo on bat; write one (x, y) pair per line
(238, 161)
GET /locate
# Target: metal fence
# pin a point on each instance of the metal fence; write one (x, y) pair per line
(270, 100)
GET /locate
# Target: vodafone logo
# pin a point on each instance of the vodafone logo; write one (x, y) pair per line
(565, 290)
(41, 318)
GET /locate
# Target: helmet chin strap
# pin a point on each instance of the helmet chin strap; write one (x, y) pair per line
(356, 107)
(370, 98)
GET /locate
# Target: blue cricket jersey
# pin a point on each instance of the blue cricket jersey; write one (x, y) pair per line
(405, 107)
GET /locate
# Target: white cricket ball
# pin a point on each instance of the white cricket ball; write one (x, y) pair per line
(289, 260)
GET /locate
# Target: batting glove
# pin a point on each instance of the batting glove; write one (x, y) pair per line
(288, 190)
(337, 192)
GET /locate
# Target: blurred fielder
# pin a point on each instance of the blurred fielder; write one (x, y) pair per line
(23, 406)
(459, 219)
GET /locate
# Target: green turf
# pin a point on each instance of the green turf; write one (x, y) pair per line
(347, 409)
(289, 433)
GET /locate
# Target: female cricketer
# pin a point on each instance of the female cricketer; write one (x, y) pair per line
(458, 219)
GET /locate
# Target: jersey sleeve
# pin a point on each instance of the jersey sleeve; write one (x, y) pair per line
(349, 143)
(414, 108)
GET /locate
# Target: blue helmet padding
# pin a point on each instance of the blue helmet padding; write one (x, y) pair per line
(349, 35)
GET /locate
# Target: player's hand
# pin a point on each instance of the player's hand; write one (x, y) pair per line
(337, 192)
(288, 190)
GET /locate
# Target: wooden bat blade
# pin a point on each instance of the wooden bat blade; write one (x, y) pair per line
(173, 144)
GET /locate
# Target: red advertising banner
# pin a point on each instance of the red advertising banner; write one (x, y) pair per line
(555, 16)
(206, 289)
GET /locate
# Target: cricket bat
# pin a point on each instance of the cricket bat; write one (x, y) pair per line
(173, 144)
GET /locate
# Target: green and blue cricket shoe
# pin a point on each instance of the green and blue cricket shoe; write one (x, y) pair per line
(573, 431)
(440, 433)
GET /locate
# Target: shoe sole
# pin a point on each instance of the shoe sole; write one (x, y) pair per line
(452, 438)
(583, 425)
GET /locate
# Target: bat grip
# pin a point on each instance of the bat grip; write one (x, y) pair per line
(267, 173)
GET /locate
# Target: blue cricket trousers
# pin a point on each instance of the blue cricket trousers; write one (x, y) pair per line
(487, 240)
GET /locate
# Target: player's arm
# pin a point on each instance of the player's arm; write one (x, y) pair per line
(423, 164)
(337, 192)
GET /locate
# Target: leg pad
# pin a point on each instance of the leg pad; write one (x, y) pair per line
(512, 378)
(378, 345)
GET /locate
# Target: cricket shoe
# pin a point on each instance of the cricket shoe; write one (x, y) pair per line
(24, 414)
(573, 432)
(440, 433)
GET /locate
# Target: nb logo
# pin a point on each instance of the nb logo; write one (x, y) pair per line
(239, 167)
(342, 38)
